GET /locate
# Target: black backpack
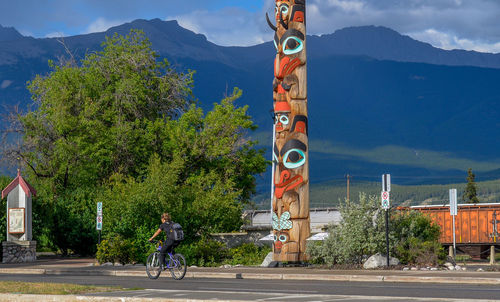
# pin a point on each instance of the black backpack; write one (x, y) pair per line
(177, 232)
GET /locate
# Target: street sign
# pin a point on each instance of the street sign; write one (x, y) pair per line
(453, 202)
(99, 216)
(386, 182)
(385, 200)
(99, 208)
(99, 222)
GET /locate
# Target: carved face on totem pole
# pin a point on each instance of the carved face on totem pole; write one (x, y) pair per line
(282, 116)
(289, 41)
(291, 174)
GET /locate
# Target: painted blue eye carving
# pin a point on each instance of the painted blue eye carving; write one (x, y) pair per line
(284, 10)
(294, 158)
(292, 45)
(283, 238)
(283, 119)
(275, 238)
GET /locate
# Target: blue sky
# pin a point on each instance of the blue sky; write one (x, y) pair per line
(448, 24)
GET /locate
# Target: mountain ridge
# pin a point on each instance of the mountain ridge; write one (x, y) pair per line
(377, 42)
(9, 34)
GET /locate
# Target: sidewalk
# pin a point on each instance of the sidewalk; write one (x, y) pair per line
(89, 267)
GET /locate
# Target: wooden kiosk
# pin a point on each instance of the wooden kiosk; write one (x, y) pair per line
(19, 246)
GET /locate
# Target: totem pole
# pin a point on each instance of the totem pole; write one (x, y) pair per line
(290, 201)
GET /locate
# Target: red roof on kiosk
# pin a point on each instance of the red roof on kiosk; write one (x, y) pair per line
(19, 180)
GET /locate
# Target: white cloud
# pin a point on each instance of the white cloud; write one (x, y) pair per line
(464, 24)
(101, 25)
(228, 26)
(450, 41)
(347, 5)
(56, 34)
(25, 33)
(5, 84)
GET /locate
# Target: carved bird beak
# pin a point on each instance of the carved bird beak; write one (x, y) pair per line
(270, 23)
(283, 22)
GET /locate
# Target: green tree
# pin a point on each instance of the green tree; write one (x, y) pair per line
(470, 193)
(90, 120)
(4, 182)
(121, 128)
(209, 180)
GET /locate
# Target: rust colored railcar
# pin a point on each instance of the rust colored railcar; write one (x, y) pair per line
(476, 226)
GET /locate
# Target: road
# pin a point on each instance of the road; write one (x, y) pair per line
(276, 290)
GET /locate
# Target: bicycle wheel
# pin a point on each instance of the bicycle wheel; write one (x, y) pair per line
(153, 267)
(178, 269)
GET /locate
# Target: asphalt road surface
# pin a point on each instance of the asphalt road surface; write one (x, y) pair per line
(275, 290)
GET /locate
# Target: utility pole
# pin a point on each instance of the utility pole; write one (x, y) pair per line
(348, 186)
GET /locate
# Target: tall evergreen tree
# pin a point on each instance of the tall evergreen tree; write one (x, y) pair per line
(470, 193)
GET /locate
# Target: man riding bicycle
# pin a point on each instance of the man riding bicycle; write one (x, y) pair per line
(165, 226)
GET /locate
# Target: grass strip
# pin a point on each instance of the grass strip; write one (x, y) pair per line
(42, 288)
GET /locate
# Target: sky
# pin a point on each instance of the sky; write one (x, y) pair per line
(447, 24)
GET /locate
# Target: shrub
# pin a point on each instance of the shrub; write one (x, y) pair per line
(358, 235)
(416, 239)
(117, 249)
(209, 252)
(248, 254)
(413, 238)
(73, 222)
(204, 252)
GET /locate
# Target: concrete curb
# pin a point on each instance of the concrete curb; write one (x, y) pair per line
(70, 298)
(264, 276)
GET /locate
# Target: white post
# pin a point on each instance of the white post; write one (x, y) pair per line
(272, 172)
(453, 213)
(454, 245)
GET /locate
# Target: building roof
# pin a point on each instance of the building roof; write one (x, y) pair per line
(19, 180)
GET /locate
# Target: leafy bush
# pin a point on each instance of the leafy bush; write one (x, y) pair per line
(415, 251)
(117, 249)
(73, 217)
(358, 235)
(209, 252)
(248, 254)
(416, 238)
(205, 252)
(361, 233)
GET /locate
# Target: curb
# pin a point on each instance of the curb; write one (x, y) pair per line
(264, 276)
(71, 298)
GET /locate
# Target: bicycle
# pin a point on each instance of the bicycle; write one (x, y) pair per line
(176, 264)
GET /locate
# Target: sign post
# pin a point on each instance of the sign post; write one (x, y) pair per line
(386, 188)
(99, 219)
(453, 213)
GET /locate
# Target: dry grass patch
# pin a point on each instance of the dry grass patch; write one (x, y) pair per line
(16, 287)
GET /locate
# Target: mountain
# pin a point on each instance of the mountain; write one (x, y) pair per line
(386, 44)
(378, 101)
(9, 34)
